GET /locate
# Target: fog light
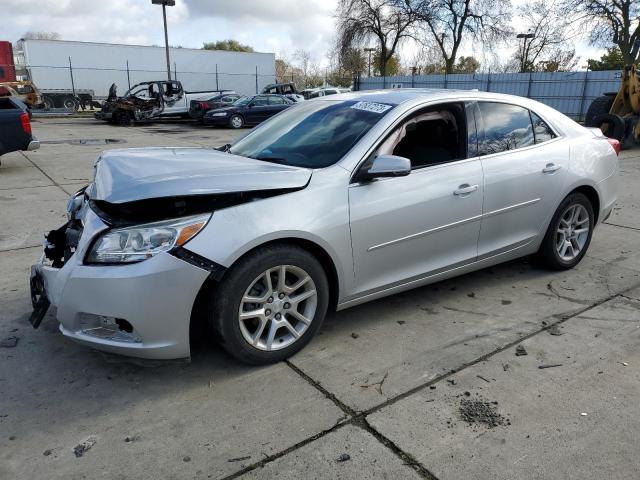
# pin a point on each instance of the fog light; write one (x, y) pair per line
(108, 328)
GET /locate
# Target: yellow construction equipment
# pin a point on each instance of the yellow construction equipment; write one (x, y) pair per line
(617, 114)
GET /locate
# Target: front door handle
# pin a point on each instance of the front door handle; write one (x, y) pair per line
(465, 189)
(551, 167)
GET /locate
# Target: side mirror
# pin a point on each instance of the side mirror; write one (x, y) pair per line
(384, 166)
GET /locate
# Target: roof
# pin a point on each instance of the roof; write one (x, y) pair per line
(397, 96)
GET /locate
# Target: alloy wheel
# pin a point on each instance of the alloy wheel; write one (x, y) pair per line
(277, 307)
(572, 232)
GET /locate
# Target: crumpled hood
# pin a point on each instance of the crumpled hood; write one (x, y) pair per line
(128, 175)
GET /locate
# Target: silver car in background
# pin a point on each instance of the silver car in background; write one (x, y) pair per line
(332, 203)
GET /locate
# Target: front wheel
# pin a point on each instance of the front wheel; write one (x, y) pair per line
(569, 233)
(269, 305)
(236, 121)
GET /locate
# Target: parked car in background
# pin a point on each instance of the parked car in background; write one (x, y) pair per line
(322, 92)
(199, 107)
(15, 127)
(250, 110)
(332, 203)
(286, 89)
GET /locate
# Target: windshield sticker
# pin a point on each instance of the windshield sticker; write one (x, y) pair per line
(371, 107)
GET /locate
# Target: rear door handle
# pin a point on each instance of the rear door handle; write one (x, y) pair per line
(551, 167)
(465, 189)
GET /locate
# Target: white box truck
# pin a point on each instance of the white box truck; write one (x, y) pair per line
(67, 71)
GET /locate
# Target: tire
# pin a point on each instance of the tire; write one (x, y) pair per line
(551, 249)
(250, 340)
(70, 103)
(48, 102)
(236, 121)
(123, 118)
(600, 106)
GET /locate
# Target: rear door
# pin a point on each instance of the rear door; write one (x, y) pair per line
(407, 228)
(277, 104)
(524, 173)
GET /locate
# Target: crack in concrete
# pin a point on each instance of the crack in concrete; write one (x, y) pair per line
(44, 173)
(621, 226)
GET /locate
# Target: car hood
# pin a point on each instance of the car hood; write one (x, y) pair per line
(128, 175)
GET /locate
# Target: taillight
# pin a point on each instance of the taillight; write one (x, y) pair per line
(204, 105)
(615, 144)
(26, 124)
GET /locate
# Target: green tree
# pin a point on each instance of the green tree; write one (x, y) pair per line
(466, 65)
(229, 45)
(388, 68)
(611, 60)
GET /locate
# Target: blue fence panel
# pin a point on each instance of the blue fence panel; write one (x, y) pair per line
(569, 92)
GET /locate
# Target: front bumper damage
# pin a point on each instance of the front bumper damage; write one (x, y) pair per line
(141, 309)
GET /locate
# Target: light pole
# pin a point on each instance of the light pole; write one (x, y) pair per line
(165, 4)
(370, 50)
(524, 36)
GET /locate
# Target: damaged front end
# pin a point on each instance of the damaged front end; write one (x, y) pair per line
(59, 246)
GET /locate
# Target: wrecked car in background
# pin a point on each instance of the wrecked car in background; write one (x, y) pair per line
(147, 101)
(287, 89)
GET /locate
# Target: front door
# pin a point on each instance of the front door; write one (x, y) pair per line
(524, 165)
(407, 228)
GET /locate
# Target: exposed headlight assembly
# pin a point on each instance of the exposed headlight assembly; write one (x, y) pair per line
(140, 242)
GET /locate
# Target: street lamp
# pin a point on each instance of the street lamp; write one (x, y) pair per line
(369, 50)
(524, 36)
(165, 4)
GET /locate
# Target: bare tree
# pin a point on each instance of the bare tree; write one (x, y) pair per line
(551, 48)
(609, 22)
(450, 22)
(41, 36)
(388, 22)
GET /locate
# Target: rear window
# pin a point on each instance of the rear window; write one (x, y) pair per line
(506, 127)
(312, 134)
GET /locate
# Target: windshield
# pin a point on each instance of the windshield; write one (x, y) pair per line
(311, 134)
(243, 100)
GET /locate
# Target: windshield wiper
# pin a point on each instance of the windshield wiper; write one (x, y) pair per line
(225, 148)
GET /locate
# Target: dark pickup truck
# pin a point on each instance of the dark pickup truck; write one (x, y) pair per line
(15, 127)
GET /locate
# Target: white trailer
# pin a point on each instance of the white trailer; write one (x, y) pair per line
(65, 66)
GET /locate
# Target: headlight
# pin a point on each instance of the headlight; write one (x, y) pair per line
(134, 244)
(219, 114)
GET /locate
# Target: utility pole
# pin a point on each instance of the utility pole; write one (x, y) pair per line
(165, 4)
(370, 50)
(525, 37)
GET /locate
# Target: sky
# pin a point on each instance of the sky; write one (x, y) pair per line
(279, 26)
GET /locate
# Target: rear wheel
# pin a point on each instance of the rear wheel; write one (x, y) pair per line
(70, 103)
(270, 304)
(236, 121)
(569, 233)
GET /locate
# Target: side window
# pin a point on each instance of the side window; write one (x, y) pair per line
(276, 101)
(429, 137)
(260, 101)
(506, 127)
(541, 130)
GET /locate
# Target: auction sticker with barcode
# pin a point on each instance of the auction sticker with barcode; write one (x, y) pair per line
(371, 107)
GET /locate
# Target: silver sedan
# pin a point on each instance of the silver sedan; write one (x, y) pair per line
(332, 203)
